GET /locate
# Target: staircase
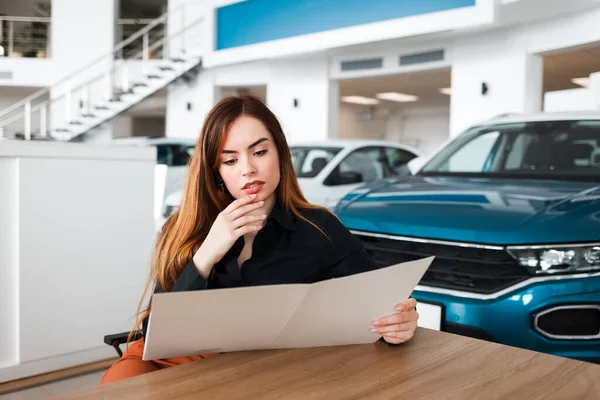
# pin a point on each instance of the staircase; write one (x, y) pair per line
(149, 60)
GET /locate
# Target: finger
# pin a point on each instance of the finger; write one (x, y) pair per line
(245, 209)
(393, 340)
(388, 329)
(403, 335)
(406, 305)
(248, 219)
(238, 203)
(247, 229)
(398, 338)
(396, 318)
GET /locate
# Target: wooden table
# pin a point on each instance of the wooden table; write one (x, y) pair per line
(434, 365)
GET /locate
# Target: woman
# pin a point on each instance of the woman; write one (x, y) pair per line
(243, 221)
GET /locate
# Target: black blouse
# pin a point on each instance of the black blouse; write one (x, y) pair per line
(286, 250)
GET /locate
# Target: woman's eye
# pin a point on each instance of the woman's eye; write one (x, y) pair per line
(260, 153)
(229, 162)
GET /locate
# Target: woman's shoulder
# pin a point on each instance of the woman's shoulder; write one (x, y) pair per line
(325, 219)
(318, 215)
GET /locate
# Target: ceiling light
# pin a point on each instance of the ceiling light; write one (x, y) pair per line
(399, 97)
(360, 100)
(446, 90)
(584, 82)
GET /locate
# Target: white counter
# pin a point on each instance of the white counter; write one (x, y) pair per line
(76, 236)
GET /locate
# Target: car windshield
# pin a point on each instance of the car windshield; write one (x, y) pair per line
(309, 161)
(174, 155)
(546, 150)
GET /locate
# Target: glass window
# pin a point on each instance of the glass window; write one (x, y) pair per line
(362, 165)
(397, 158)
(310, 161)
(174, 155)
(545, 149)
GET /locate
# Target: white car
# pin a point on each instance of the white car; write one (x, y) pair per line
(329, 169)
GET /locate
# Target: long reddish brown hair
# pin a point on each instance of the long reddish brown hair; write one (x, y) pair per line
(202, 200)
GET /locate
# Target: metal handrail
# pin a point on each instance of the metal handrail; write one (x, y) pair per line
(26, 19)
(135, 21)
(116, 49)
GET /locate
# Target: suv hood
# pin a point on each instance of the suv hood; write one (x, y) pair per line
(477, 210)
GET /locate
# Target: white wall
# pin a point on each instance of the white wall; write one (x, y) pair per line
(568, 100)
(36, 72)
(570, 30)
(201, 94)
(514, 79)
(424, 128)
(122, 126)
(9, 353)
(76, 239)
(353, 127)
(82, 31)
(243, 74)
(307, 81)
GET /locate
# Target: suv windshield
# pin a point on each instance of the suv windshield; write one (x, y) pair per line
(547, 150)
(309, 161)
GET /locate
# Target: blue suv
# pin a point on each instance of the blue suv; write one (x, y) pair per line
(511, 210)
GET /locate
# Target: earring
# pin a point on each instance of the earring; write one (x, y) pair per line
(222, 186)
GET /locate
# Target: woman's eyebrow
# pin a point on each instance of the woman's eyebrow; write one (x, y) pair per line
(259, 141)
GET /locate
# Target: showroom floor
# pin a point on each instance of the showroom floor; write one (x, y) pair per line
(58, 388)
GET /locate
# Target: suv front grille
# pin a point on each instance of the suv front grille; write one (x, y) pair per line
(467, 269)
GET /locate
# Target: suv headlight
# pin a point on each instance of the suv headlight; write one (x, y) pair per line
(557, 259)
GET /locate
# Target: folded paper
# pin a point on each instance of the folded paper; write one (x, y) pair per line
(328, 313)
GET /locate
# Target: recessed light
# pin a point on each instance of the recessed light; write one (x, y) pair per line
(399, 97)
(360, 100)
(583, 82)
(446, 91)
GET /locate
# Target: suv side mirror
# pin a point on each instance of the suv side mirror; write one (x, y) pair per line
(416, 164)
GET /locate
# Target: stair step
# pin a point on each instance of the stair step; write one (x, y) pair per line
(101, 108)
(62, 130)
(178, 59)
(75, 123)
(122, 92)
(139, 84)
(166, 68)
(88, 115)
(153, 76)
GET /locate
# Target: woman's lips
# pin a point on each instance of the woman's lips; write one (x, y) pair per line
(253, 188)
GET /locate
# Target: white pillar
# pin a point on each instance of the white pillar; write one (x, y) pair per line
(513, 79)
(303, 98)
(82, 31)
(188, 103)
